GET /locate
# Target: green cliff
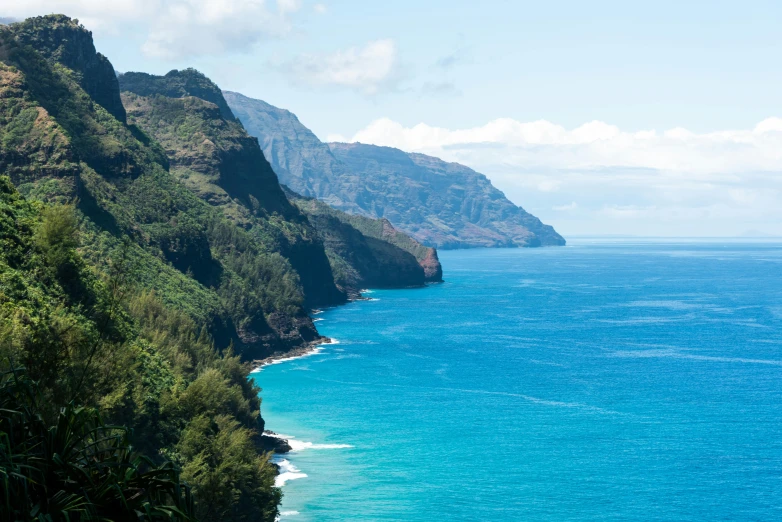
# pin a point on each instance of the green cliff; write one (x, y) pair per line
(367, 252)
(121, 293)
(147, 253)
(58, 145)
(215, 158)
(439, 204)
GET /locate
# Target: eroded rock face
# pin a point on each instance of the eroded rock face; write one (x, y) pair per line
(212, 154)
(440, 204)
(61, 39)
(302, 162)
(443, 204)
(432, 268)
(367, 252)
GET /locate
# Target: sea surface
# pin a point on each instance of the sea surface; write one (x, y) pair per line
(607, 380)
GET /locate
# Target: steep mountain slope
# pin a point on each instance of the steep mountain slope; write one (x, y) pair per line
(302, 162)
(56, 144)
(216, 159)
(440, 204)
(56, 41)
(368, 252)
(108, 301)
(380, 229)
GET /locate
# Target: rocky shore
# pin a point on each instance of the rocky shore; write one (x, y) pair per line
(310, 348)
(274, 442)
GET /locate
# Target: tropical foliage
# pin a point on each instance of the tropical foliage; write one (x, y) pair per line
(101, 348)
(128, 309)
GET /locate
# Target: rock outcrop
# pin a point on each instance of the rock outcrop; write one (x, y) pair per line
(54, 38)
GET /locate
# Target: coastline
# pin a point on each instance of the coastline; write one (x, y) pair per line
(271, 441)
(311, 348)
(278, 445)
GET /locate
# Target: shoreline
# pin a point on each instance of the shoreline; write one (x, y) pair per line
(311, 348)
(274, 442)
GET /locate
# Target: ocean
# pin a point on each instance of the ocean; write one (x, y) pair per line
(606, 380)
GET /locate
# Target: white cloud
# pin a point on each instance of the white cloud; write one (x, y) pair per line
(369, 69)
(175, 28)
(288, 6)
(671, 182)
(565, 208)
(596, 144)
(320, 8)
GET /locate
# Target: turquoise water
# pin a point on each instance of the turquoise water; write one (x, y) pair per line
(601, 381)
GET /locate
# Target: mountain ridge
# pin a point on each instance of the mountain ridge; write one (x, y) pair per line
(148, 255)
(367, 252)
(441, 204)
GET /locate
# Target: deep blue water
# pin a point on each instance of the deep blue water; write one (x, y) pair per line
(601, 381)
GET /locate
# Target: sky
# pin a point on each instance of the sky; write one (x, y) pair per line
(600, 117)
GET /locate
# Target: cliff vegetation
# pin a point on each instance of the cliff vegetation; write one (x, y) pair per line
(147, 255)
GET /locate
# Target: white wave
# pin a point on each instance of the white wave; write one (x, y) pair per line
(300, 445)
(679, 355)
(288, 513)
(288, 472)
(315, 351)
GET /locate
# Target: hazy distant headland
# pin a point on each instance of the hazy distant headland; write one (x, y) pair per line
(441, 204)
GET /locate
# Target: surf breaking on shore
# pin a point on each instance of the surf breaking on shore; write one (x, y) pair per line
(285, 445)
(299, 353)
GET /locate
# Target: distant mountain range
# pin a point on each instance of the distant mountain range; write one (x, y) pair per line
(440, 204)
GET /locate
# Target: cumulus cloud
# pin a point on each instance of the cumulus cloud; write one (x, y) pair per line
(176, 28)
(368, 69)
(600, 178)
(596, 144)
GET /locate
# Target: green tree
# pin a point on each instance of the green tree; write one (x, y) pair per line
(77, 468)
(234, 483)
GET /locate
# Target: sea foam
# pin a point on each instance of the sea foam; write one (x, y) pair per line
(288, 472)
